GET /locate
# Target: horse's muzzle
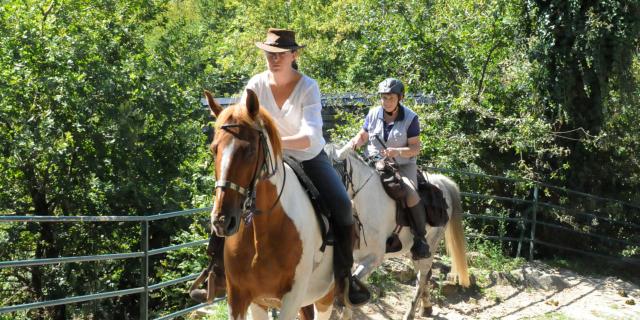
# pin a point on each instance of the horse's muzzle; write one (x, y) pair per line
(225, 224)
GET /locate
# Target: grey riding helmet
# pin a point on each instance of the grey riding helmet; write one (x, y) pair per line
(391, 85)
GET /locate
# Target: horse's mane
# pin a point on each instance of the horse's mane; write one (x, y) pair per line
(348, 153)
(354, 155)
(238, 113)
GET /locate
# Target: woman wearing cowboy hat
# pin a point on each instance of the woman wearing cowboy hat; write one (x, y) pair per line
(393, 131)
(293, 100)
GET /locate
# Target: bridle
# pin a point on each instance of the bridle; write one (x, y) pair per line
(268, 170)
(346, 172)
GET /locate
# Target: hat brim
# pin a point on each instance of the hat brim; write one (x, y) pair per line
(269, 48)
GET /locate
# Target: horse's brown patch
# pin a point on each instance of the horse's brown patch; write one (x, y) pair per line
(262, 257)
(325, 302)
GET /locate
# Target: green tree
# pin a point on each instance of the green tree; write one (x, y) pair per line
(92, 122)
(583, 52)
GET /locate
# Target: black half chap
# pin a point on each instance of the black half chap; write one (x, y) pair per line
(332, 191)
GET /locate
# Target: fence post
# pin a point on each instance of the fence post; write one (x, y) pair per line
(144, 296)
(534, 214)
(523, 227)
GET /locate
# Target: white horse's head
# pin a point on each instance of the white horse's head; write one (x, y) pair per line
(360, 176)
(336, 153)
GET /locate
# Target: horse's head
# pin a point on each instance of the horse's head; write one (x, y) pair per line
(246, 143)
(337, 154)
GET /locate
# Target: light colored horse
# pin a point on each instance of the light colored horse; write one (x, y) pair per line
(272, 258)
(377, 213)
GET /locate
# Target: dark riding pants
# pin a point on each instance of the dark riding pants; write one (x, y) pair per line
(332, 191)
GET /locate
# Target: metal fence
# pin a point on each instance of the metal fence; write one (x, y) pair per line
(522, 215)
(548, 219)
(145, 252)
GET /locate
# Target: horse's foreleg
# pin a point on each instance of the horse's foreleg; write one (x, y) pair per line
(422, 266)
(292, 302)
(324, 306)
(238, 303)
(427, 305)
(258, 312)
(414, 302)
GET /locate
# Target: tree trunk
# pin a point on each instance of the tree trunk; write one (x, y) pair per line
(46, 247)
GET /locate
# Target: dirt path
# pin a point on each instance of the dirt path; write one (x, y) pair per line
(537, 291)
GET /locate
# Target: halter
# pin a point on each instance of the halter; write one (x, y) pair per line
(268, 169)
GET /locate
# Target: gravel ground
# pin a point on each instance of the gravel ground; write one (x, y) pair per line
(535, 292)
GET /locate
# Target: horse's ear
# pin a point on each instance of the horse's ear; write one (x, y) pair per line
(213, 105)
(252, 104)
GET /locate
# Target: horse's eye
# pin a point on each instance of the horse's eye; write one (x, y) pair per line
(249, 154)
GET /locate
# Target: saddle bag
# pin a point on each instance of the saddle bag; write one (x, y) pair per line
(434, 202)
(391, 179)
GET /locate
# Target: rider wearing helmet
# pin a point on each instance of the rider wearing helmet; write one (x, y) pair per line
(393, 131)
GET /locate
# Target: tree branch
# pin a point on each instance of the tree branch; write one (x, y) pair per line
(45, 14)
(484, 69)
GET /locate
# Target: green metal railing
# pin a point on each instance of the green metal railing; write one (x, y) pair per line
(530, 216)
(144, 289)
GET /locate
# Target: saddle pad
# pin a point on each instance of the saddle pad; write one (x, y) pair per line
(434, 202)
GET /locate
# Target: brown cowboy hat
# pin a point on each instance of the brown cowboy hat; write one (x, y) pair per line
(279, 40)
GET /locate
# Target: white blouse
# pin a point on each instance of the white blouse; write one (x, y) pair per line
(300, 113)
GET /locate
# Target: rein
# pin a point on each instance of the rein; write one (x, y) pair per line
(348, 178)
(269, 167)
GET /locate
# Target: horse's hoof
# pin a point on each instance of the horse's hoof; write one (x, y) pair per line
(427, 312)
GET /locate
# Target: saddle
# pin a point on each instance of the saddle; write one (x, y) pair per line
(320, 208)
(391, 179)
(434, 203)
(435, 208)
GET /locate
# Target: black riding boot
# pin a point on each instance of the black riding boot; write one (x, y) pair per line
(418, 215)
(351, 290)
(214, 275)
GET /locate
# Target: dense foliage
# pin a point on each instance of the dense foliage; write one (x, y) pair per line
(100, 111)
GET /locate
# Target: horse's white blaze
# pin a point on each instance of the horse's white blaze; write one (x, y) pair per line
(225, 162)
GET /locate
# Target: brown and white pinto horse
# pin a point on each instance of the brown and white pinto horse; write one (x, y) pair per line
(272, 256)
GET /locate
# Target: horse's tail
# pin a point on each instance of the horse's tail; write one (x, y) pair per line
(454, 236)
